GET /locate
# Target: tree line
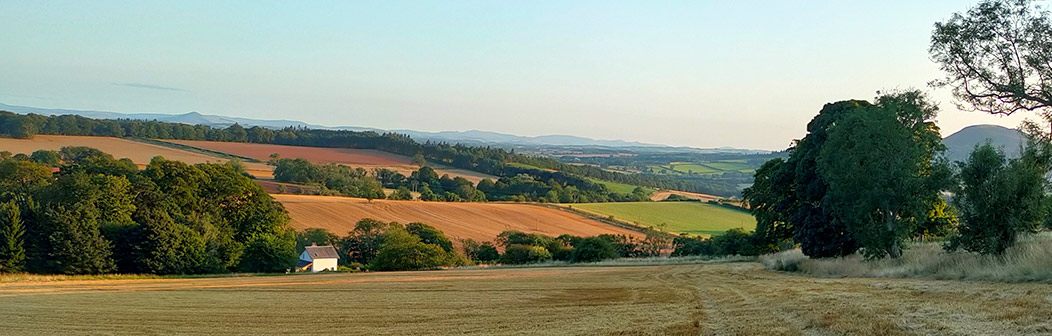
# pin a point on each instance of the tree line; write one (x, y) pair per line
(489, 160)
(80, 211)
(376, 245)
(540, 186)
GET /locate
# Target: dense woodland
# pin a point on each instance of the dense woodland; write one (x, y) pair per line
(487, 160)
(80, 211)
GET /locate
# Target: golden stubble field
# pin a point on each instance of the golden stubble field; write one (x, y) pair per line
(365, 158)
(698, 299)
(138, 152)
(478, 221)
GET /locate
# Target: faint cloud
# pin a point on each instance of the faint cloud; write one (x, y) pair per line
(150, 86)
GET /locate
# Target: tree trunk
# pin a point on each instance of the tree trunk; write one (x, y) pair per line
(895, 251)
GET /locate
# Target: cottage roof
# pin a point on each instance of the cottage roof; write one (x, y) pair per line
(321, 252)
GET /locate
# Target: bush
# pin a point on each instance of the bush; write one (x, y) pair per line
(484, 253)
(408, 257)
(487, 253)
(524, 254)
(998, 200)
(593, 249)
(692, 246)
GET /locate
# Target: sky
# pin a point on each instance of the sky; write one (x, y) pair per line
(746, 74)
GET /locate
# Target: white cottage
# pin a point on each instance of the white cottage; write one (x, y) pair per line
(319, 258)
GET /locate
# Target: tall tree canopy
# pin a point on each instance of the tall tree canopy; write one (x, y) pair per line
(860, 165)
(997, 57)
(880, 166)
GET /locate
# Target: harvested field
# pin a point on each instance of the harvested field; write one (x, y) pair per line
(478, 221)
(698, 299)
(350, 157)
(138, 152)
(365, 158)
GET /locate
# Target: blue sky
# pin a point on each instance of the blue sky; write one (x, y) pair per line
(697, 73)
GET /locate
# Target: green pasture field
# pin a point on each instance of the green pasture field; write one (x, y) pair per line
(680, 217)
(620, 188)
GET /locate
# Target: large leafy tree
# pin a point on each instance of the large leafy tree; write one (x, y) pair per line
(998, 199)
(880, 166)
(997, 57)
(788, 197)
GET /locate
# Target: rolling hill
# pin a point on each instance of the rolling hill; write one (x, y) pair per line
(474, 137)
(961, 143)
(363, 158)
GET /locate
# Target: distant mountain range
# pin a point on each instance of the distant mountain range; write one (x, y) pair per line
(961, 143)
(465, 137)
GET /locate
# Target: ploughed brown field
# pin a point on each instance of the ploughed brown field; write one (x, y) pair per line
(693, 299)
(365, 158)
(138, 152)
(478, 221)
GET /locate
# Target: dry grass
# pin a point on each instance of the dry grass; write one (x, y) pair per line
(698, 299)
(478, 221)
(1028, 261)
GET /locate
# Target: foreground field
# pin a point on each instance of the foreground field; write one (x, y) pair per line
(681, 217)
(713, 299)
(364, 158)
(479, 221)
(138, 152)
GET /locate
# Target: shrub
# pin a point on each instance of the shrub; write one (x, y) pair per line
(692, 246)
(524, 254)
(407, 257)
(487, 253)
(593, 249)
(484, 252)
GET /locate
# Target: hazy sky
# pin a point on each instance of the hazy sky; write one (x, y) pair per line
(699, 73)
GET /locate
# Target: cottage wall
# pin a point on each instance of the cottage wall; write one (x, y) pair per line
(322, 264)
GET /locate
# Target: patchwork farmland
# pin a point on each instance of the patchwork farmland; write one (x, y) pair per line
(365, 158)
(478, 221)
(140, 153)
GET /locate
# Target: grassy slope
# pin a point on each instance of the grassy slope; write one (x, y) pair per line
(681, 217)
(709, 299)
(686, 168)
(619, 187)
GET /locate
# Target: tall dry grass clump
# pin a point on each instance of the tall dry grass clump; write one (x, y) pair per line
(1030, 260)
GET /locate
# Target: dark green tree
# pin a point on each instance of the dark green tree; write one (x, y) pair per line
(430, 235)
(12, 238)
(998, 199)
(880, 168)
(72, 242)
(46, 157)
(592, 249)
(270, 253)
(402, 193)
